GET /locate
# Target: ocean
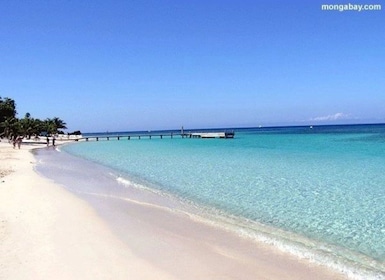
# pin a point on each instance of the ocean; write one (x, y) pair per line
(315, 192)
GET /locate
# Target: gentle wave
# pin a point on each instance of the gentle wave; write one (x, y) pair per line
(354, 266)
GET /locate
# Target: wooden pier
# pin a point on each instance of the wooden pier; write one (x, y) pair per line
(223, 135)
(129, 137)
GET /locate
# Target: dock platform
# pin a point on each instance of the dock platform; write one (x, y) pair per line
(211, 135)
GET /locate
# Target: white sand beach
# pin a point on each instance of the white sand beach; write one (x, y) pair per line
(47, 232)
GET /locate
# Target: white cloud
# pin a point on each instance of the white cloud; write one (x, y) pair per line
(334, 117)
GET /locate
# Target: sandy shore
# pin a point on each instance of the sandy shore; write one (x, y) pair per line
(47, 232)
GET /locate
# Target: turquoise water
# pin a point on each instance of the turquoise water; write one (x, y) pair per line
(318, 193)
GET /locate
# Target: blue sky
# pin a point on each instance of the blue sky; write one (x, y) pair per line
(147, 65)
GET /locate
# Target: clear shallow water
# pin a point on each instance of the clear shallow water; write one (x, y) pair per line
(318, 193)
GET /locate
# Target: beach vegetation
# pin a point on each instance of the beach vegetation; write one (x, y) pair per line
(8, 121)
(55, 125)
(11, 126)
(7, 108)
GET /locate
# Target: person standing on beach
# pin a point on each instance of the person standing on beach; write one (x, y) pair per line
(47, 141)
(19, 139)
(53, 141)
(14, 142)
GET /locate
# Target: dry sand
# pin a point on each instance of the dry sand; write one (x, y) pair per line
(47, 232)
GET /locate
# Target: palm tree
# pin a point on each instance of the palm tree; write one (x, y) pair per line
(60, 124)
(7, 116)
(52, 126)
(10, 128)
(27, 125)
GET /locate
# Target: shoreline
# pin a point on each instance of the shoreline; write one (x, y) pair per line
(166, 245)
(48, 233)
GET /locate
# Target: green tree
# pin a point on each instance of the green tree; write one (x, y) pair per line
(39, 126)
(11, 126)
(7, 108)
(8, 120)
(59, 124)
(53, 126)
(30, 126)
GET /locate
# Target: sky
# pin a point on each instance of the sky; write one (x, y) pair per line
(162, 64)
